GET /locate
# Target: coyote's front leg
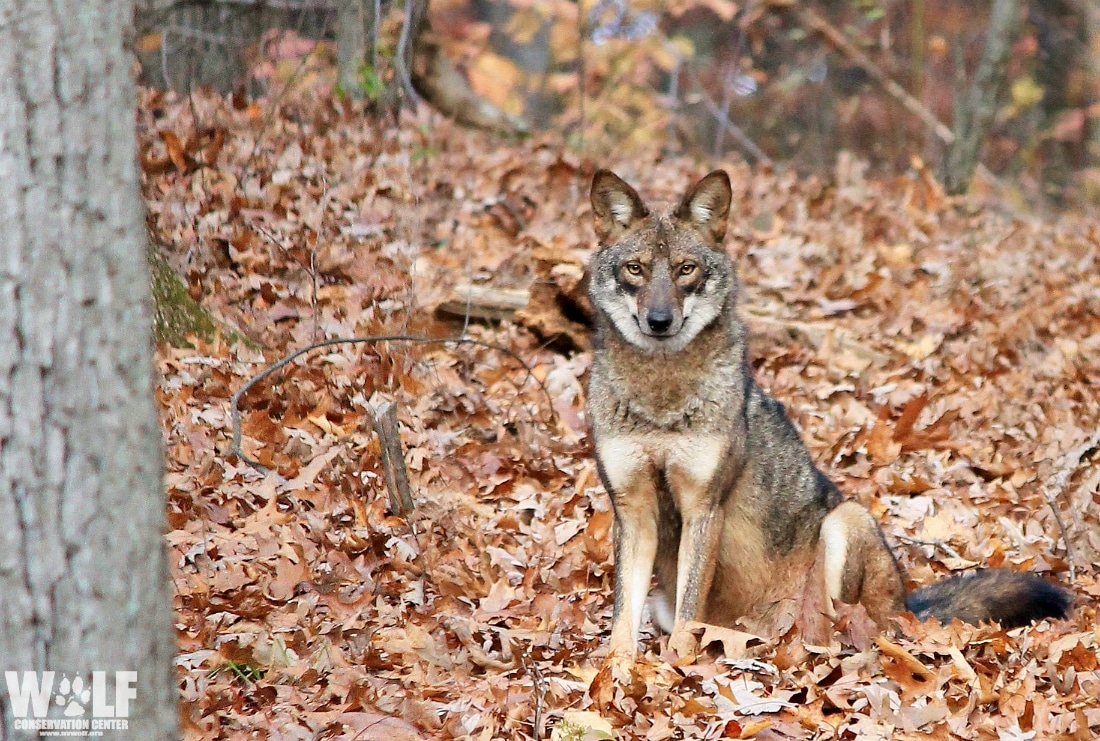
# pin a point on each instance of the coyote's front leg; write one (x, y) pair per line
(695, 479)
(630, 479)
(635, 551)
(696, 561)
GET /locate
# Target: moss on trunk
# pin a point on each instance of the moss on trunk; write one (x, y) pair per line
(177, 316)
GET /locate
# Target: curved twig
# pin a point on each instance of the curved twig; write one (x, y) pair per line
(234, 401)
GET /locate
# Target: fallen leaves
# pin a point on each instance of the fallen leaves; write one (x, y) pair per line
(942, 366)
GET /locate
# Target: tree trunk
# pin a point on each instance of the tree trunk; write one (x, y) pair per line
(176, 316)
(83, 574)
(1091, 10)
(974, 114)
(354, 44)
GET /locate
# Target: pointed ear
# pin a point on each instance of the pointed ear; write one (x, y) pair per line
(707, 205)
(615, 205)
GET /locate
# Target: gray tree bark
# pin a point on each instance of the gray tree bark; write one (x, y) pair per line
(974, 114)
(83, 578)
(354, 44)
(1091, 9)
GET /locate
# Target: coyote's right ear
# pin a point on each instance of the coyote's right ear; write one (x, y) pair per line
(615, 205)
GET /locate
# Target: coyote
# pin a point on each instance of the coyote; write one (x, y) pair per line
(712, 486)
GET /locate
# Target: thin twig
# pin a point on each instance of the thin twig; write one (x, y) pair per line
(813, 22)
(746, 142)
(937, 544)
(311, 269)
(723, 121)
(234, 401)
(835, 38)
(1057, 486)
(674, 100)
(273, 104)
(582, 30)
(1052, 502)
(374, 36)
(274, 239)
(207, 36)
(164, 60)
(281, 4)
(532, 669)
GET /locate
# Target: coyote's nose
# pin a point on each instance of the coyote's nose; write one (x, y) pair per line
(659, 320)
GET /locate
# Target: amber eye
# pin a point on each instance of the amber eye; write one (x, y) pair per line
(634, 268)
(688, 268)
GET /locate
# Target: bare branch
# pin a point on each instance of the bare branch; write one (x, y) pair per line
(811, 21)
(729, 127)
(234, 401)
(835, 38)
(935, 544)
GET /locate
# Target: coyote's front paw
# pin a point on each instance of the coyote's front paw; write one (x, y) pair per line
(621, 663)
(621, 654)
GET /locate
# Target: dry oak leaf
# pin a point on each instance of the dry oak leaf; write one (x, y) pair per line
(736, 644)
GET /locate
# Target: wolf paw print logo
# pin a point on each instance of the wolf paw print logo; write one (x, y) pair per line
(56, 704)
(73, 696)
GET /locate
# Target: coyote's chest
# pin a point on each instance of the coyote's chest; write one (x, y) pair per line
(654, 398)
(690, 460)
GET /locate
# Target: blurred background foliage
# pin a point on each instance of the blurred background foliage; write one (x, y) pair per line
(782, 83)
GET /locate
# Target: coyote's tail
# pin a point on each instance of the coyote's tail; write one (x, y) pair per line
(1008, 597)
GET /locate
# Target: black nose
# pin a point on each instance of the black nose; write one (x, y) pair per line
(659, 320)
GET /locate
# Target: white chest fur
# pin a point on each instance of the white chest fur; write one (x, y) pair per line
(685, 457)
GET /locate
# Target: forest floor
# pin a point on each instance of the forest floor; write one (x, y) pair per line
(941, 357)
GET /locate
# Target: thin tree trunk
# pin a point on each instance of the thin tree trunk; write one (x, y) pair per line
(83, 573)
(1091, 10)
(974, 114)
(416, 15)
(354, 24)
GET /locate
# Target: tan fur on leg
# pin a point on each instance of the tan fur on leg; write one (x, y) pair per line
(862, 569)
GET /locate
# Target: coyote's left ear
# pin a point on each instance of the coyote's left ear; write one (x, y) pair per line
(707, 205)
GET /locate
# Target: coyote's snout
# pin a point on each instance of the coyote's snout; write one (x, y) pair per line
(655, 291)
(713, 489)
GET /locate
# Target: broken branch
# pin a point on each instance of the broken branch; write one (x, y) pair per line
(384, 421)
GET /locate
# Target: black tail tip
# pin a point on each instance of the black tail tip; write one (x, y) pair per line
(1046, 600)
(1007, 597)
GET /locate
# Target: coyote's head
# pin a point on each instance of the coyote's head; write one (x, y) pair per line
(660, 279)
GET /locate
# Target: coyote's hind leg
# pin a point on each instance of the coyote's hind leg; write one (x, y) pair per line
(858, 565)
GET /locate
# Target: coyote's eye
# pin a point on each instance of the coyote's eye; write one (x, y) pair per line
(634, 268)
(688, 268)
